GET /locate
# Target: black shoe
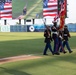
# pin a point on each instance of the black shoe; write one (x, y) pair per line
(57, 53)
(70, 51)
(52, 53)
(64, 52)
(61, 51)
(45, 54)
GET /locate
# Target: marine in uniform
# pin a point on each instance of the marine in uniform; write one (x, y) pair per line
(60, 46)
(55, 38)
(66, 35)
(48, 39)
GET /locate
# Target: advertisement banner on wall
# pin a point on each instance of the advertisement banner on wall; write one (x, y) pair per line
(35, 28)
(39, 28)
(5, 28)
(30, 28)
(18, 28)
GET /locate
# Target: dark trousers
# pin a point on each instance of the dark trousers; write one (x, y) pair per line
(67, 45)
(46, 47)
(56, 43)
(61, 46)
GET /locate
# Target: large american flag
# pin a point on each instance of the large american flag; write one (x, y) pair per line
(5, 9)
(50, 8)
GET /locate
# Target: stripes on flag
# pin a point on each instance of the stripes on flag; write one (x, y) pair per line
(6, 12)
(50, 8)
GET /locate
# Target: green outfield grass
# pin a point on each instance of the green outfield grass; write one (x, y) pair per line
(33, 43)
(12, 44)
(20, 43)
(48, 65)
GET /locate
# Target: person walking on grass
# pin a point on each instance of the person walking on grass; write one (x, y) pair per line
(48, 39)
(66, 36)
(60, 46)
(55, 38)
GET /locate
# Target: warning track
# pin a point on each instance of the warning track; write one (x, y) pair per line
(18, 58)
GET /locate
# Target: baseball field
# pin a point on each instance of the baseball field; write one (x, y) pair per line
(32, 44)
(33, 7)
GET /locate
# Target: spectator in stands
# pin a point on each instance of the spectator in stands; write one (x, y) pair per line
(37, 15)
(24, 10)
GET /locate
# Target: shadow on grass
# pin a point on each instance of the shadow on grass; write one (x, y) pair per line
(13, 72)
(26, 46)
(30, 46)
(59, 61)
(21, 47)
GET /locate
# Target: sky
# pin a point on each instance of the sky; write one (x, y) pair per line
(71, 11)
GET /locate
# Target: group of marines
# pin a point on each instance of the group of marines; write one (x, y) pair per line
(60, 38)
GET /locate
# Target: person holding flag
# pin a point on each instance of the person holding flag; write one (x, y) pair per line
(48, 39)
(55, 38)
